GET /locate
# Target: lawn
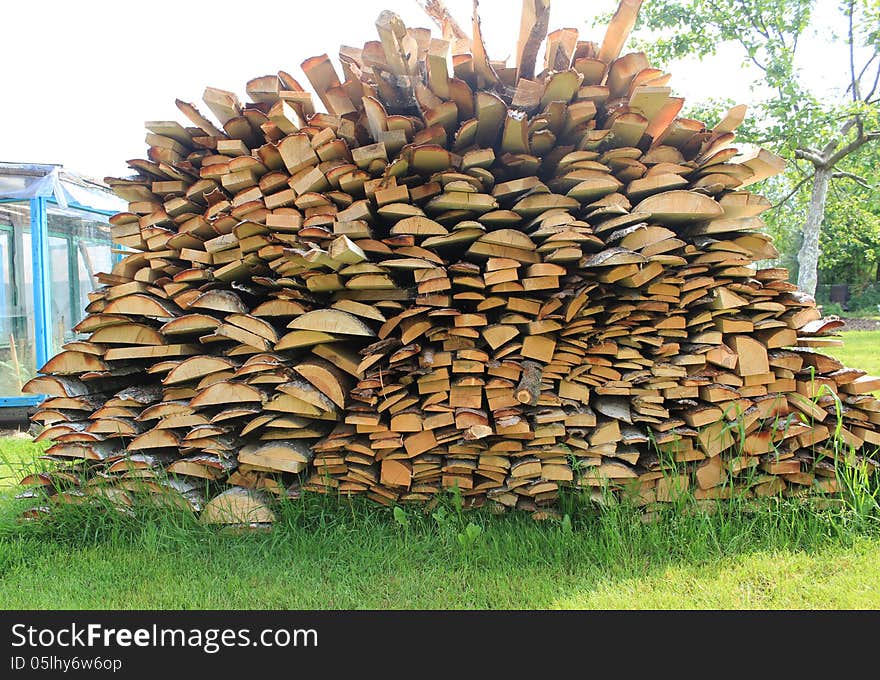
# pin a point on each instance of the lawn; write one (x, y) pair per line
(17, 458)
(329, 553)
(861, 349)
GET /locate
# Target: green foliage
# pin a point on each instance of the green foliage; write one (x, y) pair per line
(400, 517)
(468, 538)
(850, 239)
(769, 32)
(832, 308)
(865, 300)
(442, 518)
(789, 116)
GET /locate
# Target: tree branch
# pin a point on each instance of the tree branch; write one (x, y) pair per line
(866, 66)
(441, 16)
(809, 155)
(835, 141)
(852, 59)
(856, 144)
(750, 56)
(861, 181)
(780, 33)
(792, 192)
(762, 29)
(874, 86)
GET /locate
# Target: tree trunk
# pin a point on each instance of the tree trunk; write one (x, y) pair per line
(808, 256)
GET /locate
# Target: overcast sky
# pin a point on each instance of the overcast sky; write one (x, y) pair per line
(80, 78)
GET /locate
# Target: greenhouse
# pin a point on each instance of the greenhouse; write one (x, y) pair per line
(54, 237)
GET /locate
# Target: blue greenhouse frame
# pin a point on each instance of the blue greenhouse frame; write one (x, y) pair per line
(39, 225)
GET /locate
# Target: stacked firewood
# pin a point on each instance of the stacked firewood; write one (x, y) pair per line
(459, 275)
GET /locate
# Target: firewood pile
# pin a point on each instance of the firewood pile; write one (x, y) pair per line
(448, 272)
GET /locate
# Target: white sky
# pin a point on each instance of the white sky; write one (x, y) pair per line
(79, 79)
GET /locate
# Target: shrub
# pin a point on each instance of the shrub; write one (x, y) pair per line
(832, 308)
(865, 299)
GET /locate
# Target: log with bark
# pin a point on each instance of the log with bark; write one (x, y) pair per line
(448, 272)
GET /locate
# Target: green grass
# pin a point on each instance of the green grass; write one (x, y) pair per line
(861, 349)
(328, 553)
(17, 458)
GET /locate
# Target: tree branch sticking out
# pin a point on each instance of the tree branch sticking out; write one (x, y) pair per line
(533, 30)
(861, 181)
(441, 16)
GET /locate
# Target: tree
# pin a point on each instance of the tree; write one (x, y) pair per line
(817, 135)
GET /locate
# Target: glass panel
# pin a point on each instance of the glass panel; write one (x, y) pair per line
(17, 348)
(61, 291)
(79, 248)
(5, 284)
(91, 259)
(79, 223)
(9, 377)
